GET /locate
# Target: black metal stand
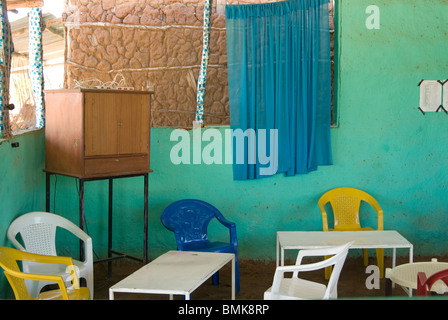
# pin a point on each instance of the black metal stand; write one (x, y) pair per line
(110, 251)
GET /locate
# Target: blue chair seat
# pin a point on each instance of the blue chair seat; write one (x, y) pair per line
(189, 219)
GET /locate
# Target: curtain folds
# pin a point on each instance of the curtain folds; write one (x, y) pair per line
(279, 76)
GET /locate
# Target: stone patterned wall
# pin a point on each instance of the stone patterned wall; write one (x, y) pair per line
(154, 44)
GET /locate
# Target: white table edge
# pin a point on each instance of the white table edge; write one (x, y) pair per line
(407, 245)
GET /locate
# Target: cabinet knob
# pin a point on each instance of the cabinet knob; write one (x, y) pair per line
(117, 160)
(120, 123)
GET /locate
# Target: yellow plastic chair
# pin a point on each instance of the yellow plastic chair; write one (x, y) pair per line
(345, 203)
(16, 278)
(36, 232)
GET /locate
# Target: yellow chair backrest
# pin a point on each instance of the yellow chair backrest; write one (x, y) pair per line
(345, 203)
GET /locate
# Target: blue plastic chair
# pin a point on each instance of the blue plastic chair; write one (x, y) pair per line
(189, 219)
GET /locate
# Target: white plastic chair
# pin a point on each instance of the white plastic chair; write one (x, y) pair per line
(295, 288)
(38, 233)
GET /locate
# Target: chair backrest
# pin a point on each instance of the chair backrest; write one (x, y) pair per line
(8, 261)
(424, 284)
(189, 219)
(345, 203)
(38, 231)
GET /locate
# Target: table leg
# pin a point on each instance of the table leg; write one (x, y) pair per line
(277, 251)
(388, 284)
(233, 277)
(81, 217)
(411, 259)
(394, 257)
(394, 262)
(47, 196)
(110, 223)
(111, 295)
(145, 223)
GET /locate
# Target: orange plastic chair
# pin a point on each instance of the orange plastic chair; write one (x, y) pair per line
(16, 278)
(345, 203)
(425, 283)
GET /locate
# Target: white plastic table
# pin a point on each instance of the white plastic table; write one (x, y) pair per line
(405, 275)
(175, 272)
(381, 239)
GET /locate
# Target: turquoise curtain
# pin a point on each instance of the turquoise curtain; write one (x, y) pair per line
(279, 76)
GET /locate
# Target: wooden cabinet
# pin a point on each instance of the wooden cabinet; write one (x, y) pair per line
(96, 133)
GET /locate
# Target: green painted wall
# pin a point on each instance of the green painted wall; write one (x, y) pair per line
(22, 179)
(383, 145)
(22, 185)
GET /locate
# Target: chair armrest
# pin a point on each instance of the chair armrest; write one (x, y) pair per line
(380, 220)
(321, 206)
(376, 206)
(88, 251)
(379, 212)
(319, 252)
(40, 277)
(78, 232)
(37, 258)
(309, 266)
(225, 222)
(36, 277)
(232, 228)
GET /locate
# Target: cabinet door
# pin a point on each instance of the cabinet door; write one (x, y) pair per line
(101, 116)
(133, 125)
